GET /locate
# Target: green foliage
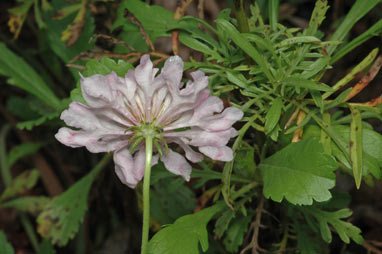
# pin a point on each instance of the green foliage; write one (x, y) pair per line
(345, 230)
(371, 144)
(22, 75)
(300, 172)
(66, 12)
(171, 199)
(5, 247)
(61, 217)
(185, 234)
(235, 233)
(20, 151)
(105, 66)
(33, 205)
(46, 247)
(22, 183)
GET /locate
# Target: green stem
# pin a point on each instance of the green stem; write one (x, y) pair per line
(146, 194)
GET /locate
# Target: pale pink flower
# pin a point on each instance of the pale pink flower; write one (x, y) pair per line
(117, 108)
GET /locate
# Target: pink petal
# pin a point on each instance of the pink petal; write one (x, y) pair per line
(208, 107)
(222, 153)
(200, 137)
(125, 168)
(177, 164)
(93, 141)
(172, 71)
(97, 90)
(221, 121)
(80, 116)
(191, 155)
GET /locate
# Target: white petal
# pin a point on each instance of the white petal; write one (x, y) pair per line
(177, 164)
(208, 107)
(222, 153)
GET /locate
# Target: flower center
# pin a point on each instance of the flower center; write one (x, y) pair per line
(145, 130)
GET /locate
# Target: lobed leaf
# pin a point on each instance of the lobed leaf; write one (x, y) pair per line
(185, 234)
(301, 172)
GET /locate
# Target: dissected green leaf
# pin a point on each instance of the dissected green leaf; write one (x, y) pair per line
(22, 75)
(5, 247)
(273, 115)
(300, 172)
(22, 183)
(32, 205)
(223, 222)
(345, 230)
(18, 152)
(235, 233)
(185, 234)
(245, 45)
(356, 147)
(61, 217)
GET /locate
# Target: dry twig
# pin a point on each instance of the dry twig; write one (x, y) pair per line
(254, 244)
(179, 12)
(143, 32)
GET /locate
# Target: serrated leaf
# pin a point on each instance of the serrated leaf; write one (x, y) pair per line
(155, 19)
(32, 205)
(300, 172)
(28, 125)
(235, 233)
(61, 217)
(185, 234)
(19, 151)
(22, 75)
(356, 150)
(106, 66)
(273, 115)
(305, 83)
(23, 182)
(5, 247)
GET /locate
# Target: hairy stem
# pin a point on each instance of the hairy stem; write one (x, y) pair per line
(146, 194)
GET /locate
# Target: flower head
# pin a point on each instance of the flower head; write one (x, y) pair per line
(120, 112)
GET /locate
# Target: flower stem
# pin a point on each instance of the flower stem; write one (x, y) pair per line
(146, 194)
